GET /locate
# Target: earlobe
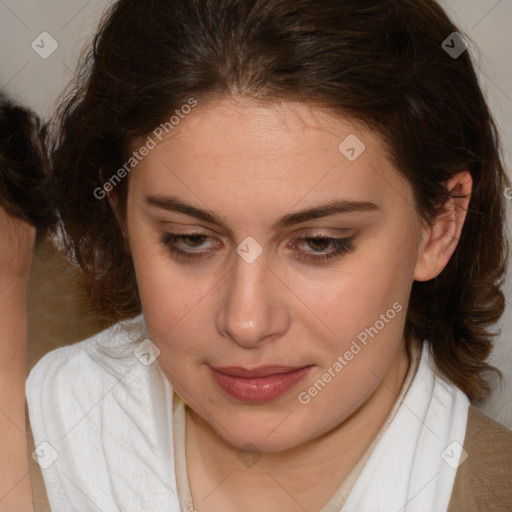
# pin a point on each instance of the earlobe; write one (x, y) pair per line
(113, 200)
(109, 192)
(440, 239)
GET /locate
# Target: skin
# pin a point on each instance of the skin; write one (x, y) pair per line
(252, 164)
(16, 242)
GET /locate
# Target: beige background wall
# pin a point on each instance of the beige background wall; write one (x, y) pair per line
(57, 308)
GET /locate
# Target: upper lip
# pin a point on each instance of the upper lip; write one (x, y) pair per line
(262, 371)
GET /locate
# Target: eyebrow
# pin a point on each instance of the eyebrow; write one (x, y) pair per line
(339, 206)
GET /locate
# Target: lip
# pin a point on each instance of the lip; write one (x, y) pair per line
(262, 371)
(260, 384)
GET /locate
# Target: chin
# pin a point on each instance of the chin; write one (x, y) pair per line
(250, 435)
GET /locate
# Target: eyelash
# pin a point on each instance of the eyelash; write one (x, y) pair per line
(342, 246)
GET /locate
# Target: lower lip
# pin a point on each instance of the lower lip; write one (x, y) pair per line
(259, 389)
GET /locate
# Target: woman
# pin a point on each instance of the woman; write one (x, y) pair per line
(284, 208)
(23, 209)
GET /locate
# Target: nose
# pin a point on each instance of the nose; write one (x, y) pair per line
(253, 310)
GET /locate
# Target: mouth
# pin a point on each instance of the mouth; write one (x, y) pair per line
(260, 384)
(262, 371)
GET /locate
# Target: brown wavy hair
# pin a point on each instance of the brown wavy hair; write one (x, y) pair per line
(24, 182)
(378, 61)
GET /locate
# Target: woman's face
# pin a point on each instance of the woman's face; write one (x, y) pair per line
(265, 273)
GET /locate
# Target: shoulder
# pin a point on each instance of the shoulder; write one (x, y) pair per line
(482, 481)
(87, 403)
(105, 356)
(77, 381)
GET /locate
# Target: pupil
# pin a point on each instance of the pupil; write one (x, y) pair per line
(319, 244)
(196, 240)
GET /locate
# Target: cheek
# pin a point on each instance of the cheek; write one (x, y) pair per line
(363, 305)
(361, 289)
(168, 301)
(165, 296)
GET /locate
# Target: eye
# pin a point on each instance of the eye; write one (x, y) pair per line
(182, 245)
(189, 246)
(325, 248)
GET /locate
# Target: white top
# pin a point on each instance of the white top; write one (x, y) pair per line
(109, 433)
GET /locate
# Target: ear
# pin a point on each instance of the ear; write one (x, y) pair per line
(112, 197)
(440, 239)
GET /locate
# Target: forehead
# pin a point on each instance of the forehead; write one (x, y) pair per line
(275, 154)
(224, 125)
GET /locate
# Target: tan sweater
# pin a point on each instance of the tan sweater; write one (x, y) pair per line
(482, 483)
